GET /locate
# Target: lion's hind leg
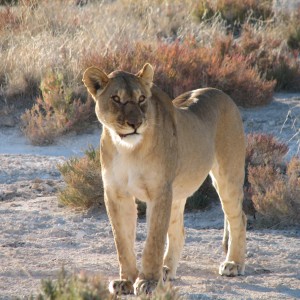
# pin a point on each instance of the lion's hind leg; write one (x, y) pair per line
(230, 190)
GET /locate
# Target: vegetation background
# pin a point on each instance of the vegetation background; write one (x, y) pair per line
(249, 49)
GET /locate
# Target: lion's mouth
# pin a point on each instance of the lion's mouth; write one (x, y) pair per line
(125, 135)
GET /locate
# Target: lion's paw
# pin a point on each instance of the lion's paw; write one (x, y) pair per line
(143, 286)
(121, 287)
(230, 268)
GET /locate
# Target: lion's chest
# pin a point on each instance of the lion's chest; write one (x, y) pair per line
(126, 176)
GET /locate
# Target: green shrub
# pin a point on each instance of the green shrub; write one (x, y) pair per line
(74, 287)
(293, 40)
(163, 292)
(56, 112)
(84, 188)
(204, 10)
(83, 287)
(8, 2)
(234, 12)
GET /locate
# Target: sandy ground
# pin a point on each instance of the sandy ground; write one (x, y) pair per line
(38, 236)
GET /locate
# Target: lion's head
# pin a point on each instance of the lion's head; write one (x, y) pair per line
(122, 101)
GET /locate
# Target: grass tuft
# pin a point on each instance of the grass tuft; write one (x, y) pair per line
(74, 287)
(84, 188)
(234, 12)
(84, 287)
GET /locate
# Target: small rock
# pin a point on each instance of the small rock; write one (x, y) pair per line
(59, 233)
(250, 254)
(37, 180)
(50, 182)
(36, 186)
(7, 194)
(47, 188)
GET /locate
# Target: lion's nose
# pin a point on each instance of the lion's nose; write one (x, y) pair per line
(134, 124)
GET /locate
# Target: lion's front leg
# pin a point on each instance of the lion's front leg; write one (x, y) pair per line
(122, 213)
(158, 218)
(175, 240)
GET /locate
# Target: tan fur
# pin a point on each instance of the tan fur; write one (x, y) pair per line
(176, 146)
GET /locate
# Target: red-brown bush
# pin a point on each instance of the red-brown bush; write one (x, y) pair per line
(264, 149)
(55, 112)
(276, 195)
(183, 66)
(271, 58)
(8, 20)
(272, 186)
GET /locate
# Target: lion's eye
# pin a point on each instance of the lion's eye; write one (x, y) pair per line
(142, 99)
(116, 98)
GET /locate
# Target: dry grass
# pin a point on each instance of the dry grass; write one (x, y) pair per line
(68, 36)
(60, 34)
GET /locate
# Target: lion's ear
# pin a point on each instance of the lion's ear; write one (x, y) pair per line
(94, 79)
(146, 73)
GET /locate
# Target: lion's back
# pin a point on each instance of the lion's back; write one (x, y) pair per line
(207, 103)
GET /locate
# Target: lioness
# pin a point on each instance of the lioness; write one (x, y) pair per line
(160, 152)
